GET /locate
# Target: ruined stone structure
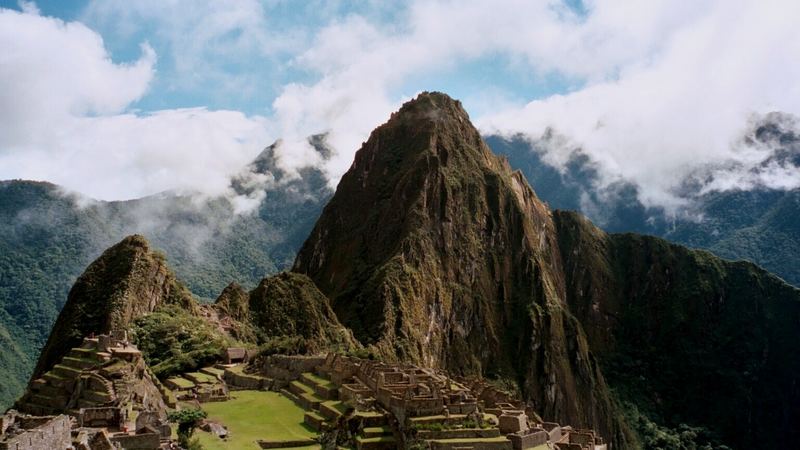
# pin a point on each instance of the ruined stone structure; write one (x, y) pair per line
(399, 404)
(236, 355)
(26, 432)
(105, 371)
(101, 384)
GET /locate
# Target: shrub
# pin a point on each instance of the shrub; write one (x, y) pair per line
(174, 341)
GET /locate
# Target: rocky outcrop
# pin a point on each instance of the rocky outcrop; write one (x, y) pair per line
(231, 314)
(433, 251)
(127, 281)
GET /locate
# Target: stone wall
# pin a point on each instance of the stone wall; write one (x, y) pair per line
(553, 429)
(451, 445)
(287, 368)
(459, 433)
(287, 444)
(565, 446)
(144, 441)
(530, 439)
(111, 416)
(581, 438)
(52, 433)
(244, 381)
(339, 368)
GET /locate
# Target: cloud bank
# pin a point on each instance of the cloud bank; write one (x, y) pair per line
(66, 117)
(683, 111)
(656, 93)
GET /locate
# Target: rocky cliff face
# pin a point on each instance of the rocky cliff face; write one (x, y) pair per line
(127, 281)
(432, 250)
(688, 337)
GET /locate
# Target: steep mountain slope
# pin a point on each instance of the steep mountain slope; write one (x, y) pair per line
(688, 337)
(758, 224)
(433, 251)
(48, 237)
(128, 281)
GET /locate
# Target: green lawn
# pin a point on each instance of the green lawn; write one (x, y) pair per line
(252, 415)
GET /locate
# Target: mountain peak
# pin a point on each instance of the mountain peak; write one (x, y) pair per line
(433, 251)
(432, 106)
(127, 281)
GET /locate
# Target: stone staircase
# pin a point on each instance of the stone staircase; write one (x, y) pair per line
(376, 438)
(69, 385)
(320, 398)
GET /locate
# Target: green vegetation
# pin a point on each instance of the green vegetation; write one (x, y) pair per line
(290, 315)
(187, 420)
(254, 415)
(182, 382)
(682, 437)
(694, 340)
(47, 238)
(283, 345)
(127, 280)
(174, 341)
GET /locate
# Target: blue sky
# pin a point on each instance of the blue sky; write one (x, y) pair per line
(117, 99)
(172, 88)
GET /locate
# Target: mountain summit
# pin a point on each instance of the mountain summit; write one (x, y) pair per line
(434, 251)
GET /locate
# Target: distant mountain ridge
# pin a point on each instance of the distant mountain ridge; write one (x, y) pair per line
(759, 224)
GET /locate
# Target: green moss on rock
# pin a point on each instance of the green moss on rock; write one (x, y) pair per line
(288, 308)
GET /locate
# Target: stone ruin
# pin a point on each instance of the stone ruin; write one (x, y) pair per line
(26, 432)
(102, 385)
(411, 404)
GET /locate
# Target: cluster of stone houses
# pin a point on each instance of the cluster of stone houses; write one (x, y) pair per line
(412, 405)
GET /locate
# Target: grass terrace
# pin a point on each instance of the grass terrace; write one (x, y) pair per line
(201, 377)
(182, 382)
(255, 415)
(318, 380)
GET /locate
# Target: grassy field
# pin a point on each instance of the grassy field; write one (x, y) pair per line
(252, 415)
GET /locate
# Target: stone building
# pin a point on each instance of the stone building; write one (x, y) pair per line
(25, 432)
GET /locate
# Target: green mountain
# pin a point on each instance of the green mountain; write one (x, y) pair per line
(48, 236)
(686, 337)
(131, 289)
(433, 250)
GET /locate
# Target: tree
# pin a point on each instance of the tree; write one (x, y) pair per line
(187, 420)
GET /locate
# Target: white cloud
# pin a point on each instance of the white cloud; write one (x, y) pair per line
(668, 86)
(63, 118)
(661, 88)
(682, 108)
(206, 42)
